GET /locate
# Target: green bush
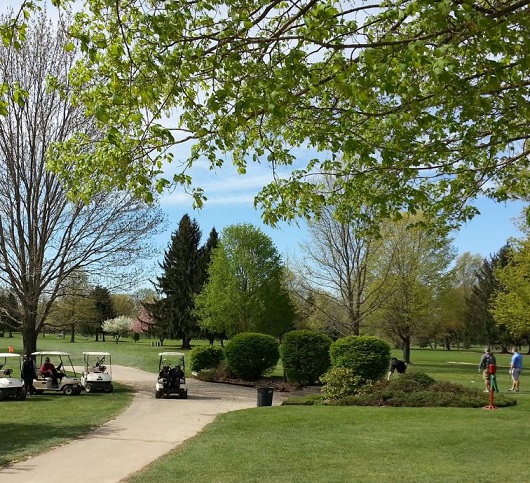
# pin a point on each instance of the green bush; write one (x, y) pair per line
(340, 382)
(251, 355)
(305, 355)
(206, 357)
(412, 381)
(367, 356)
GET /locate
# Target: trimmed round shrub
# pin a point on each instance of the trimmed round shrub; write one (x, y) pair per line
(206, 357)
(367, 356)
(340, 382)
(305, 355)
(251, 355)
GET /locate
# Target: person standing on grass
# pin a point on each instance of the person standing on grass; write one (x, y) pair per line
(484, 365)
(516, 366)
(28, 374)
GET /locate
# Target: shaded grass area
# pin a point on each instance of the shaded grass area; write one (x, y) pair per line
(42, 422)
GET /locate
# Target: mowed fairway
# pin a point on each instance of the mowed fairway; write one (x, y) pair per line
(349, 444)
(306, 444)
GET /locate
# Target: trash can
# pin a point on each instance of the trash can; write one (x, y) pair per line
(265, 396)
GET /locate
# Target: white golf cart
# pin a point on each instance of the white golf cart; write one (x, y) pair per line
(171, 375)
(97, 375)
(67, 381)
(11, 386)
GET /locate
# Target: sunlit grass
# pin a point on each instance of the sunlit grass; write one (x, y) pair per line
(299, 444)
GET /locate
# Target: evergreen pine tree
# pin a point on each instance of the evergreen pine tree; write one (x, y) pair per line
(104, 309)
(180, 281)
(481, 327)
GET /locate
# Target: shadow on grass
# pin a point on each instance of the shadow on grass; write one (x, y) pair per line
(21, 440)
(44, 421)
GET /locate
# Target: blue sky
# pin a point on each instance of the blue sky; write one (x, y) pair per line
(230, 201)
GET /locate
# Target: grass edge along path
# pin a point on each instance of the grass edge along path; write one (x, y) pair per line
(43, 422)
(345, 444)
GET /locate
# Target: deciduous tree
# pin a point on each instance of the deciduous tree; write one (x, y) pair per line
(44, 235)
(246, 289)
(425, 102)
(510, 306)
(118, 326)
(419, 269)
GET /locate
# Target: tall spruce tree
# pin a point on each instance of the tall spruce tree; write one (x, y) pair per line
(481, 327)
(104, 309)
(181, 280)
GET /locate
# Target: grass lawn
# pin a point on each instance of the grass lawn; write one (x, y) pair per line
(348, 444)
(125, 353)
(41, 422)
(303, 443)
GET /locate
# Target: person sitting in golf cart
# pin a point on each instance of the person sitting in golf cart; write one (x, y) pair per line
(172, 376)
(178, 373)
(164, 372)
(48, 370)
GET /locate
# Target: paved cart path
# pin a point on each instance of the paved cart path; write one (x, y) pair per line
(147, 429)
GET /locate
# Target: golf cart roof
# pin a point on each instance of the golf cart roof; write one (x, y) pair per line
(50, 353)
(177, 354)
(96, 353)
(9, 354)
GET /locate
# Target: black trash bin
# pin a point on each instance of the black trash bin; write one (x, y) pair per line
(265, 396)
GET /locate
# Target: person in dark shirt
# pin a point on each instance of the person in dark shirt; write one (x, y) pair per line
(396, 365)
(28, 374)
(484, 365)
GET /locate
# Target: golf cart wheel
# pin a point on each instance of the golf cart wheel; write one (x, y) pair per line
(184, 394)
(158, 394)
(68, 390)
(89, 387)
(21, 394)
(107, 388)
(78, 390)
(1, 395)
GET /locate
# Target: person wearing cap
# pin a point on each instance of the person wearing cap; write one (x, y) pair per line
(516, 366)
(28, 374)
(487, 359)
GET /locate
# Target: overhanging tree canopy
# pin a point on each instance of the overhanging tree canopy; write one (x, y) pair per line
(412, 104)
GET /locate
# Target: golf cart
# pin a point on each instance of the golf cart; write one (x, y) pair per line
(171, 375)
(67, 384)
(97, 376)
(11, 386)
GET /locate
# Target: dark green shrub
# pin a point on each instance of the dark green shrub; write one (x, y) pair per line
(251, 355)
(305, 355)
(206, 357)
(367, 356)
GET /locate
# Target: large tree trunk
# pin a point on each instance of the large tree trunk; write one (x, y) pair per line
(29, 335)
(72, 332)
(406, 349)
(186, 342)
